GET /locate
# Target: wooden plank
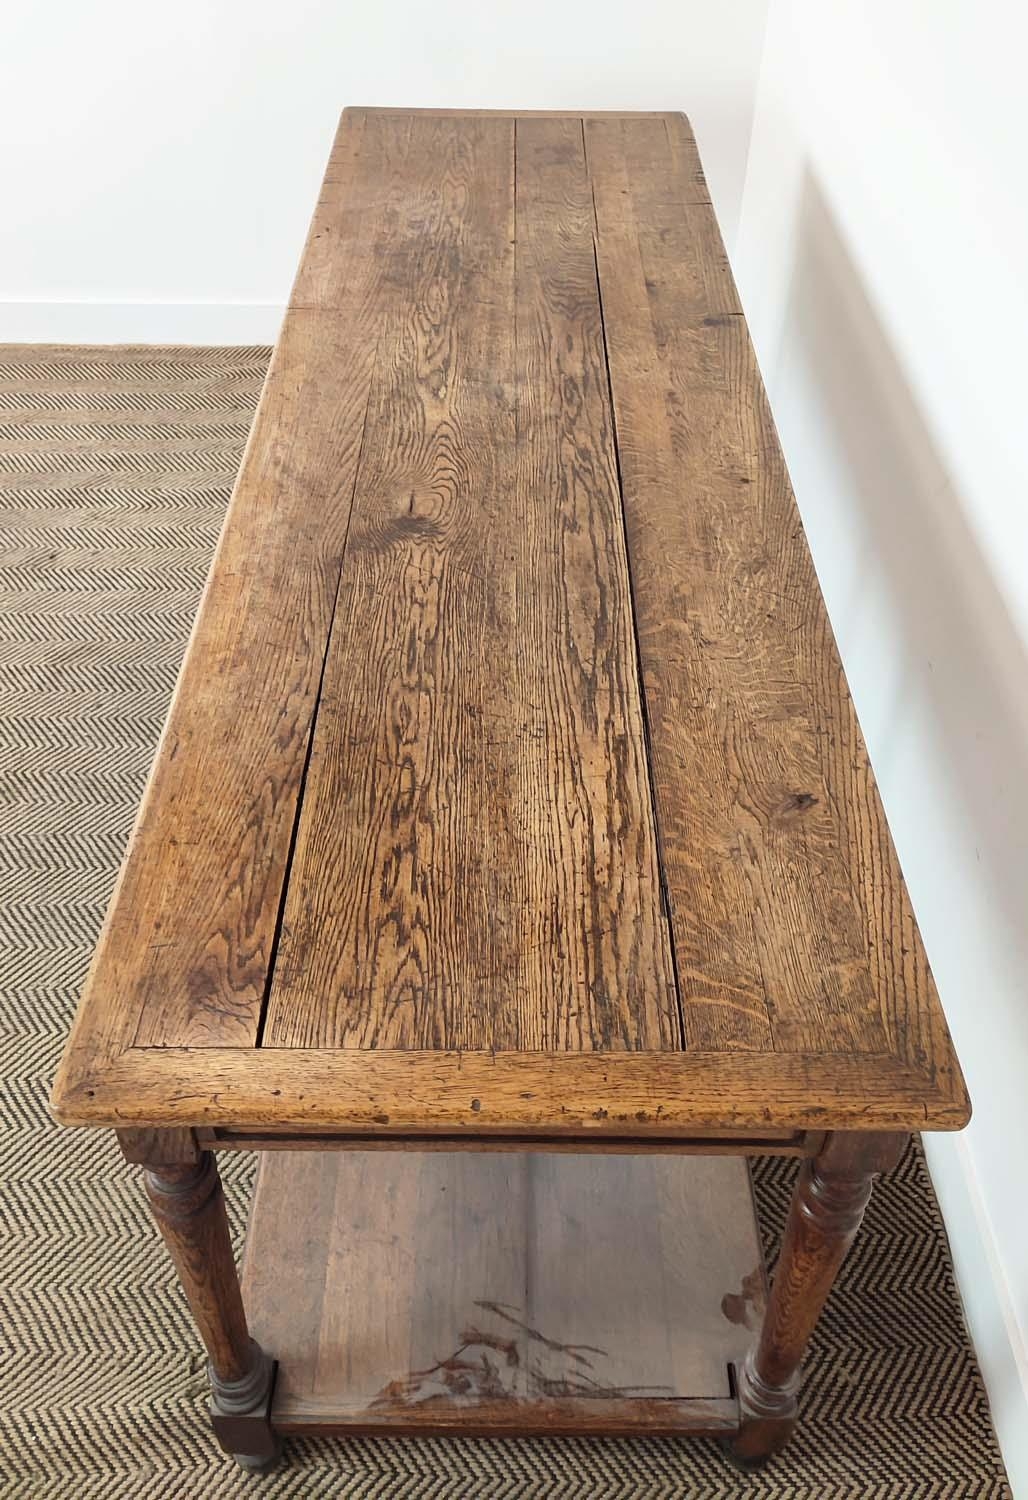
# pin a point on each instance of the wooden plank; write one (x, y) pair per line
(465, 1291)
(184, 952)
(475, 1094)
(720, 979)
(185, 955)
(476, 863)
(688, 1234)
(186, 949)
(742, 679)
(354, 169)
(367, 187)
(697, 1143)
(559, 1417)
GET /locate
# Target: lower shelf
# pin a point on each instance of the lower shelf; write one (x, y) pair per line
(487, 1293)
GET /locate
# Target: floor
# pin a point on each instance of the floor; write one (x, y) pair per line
(115, 469)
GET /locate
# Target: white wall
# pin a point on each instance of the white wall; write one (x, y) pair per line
(881, 258)
(159, 163)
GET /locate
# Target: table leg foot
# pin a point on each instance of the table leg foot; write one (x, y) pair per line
(241, 1413)
(827, 1207)
(767, 1416)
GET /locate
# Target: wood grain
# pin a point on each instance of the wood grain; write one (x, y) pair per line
(769, 826)
(634, 1095)
(463, 1291)
(512, 784)
(187, 946)
(186, 950)
(476, 863)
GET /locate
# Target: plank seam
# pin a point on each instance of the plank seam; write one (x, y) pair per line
(665, 895)
(302, 789)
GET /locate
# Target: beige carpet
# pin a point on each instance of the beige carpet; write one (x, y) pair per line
(115, 468)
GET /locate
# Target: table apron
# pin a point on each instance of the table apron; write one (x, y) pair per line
(798, 1143)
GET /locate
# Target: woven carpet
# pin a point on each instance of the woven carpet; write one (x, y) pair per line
(115, 468)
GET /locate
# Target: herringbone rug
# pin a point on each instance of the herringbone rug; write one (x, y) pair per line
(115, 468)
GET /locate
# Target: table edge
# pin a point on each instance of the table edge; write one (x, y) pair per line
(485, 1093)
(399, 111)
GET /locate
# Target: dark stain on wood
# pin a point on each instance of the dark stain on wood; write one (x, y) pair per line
(525, 1366)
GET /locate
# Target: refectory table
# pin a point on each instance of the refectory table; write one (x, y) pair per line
(511, 866)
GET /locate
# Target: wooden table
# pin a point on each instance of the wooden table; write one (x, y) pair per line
(511, 865)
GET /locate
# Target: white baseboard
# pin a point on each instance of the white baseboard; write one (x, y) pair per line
(988, 1305)
(231, 323)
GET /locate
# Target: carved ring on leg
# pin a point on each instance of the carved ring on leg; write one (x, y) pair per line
(767, 1415)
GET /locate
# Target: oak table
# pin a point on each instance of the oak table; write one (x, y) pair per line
(511, 866)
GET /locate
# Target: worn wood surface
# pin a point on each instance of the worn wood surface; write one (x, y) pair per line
(467, 1291)
(581, 1095)
(189, 935)
(743, 687)
(476, 864)
(512, 781)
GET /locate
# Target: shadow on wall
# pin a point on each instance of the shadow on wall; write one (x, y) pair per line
(934, 658)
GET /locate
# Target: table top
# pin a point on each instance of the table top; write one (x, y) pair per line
(511, 783)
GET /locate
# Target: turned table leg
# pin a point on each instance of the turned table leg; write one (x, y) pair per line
(827, 1207)
(189, 1207)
